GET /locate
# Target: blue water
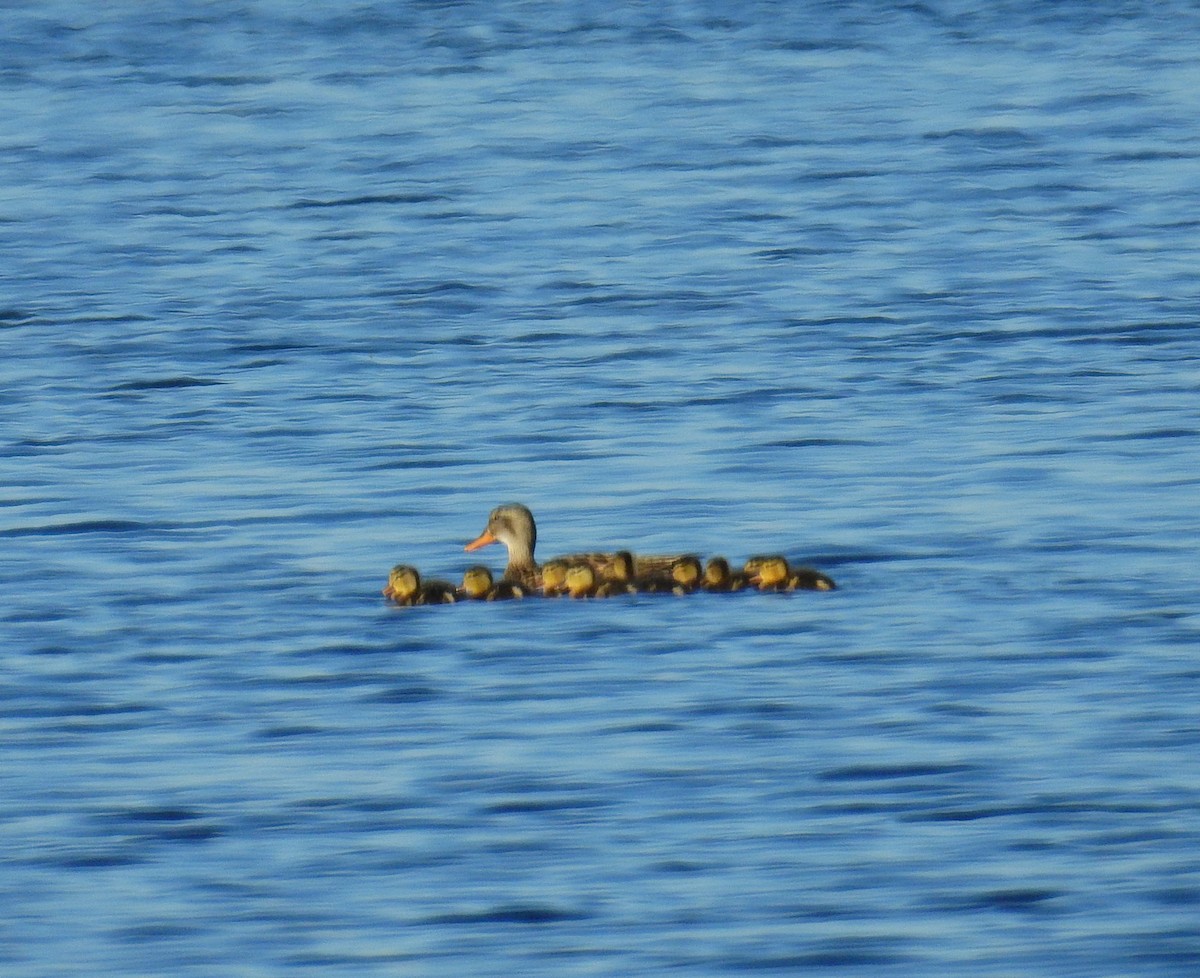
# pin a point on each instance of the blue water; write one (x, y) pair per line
(292, 292)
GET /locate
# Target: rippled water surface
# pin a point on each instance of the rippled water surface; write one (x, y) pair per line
(294, 292)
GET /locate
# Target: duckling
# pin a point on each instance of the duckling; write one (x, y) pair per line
(404, 583)
(618, 576)
(751, 568)
(773, 574)
(686, 573)
(405, 587)
(554, 579)
(581, 581)
(476, 583)
(718, 576)
(621, 567)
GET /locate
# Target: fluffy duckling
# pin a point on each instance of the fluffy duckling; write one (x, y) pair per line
(774, 574)
(618, 576)
(686, 574)
(404, 581)
(751, 567)
(719, 577)
(478, 585)
(554, 579)
(581, 581)
(405, 587)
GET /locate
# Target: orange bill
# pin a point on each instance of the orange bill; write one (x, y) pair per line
(483, 540)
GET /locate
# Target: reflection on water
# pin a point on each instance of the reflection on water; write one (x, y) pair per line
(904, 293)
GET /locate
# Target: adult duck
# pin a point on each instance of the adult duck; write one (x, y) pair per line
(512, 525)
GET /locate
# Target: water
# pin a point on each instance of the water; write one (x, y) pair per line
(291, 294)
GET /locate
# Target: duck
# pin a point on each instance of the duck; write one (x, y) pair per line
(513, 525)
(773, 573)
(405, 587)
(719, 577)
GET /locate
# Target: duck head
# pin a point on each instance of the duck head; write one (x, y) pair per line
(513, 526)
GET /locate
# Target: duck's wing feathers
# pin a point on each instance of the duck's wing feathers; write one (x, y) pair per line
(644, 565)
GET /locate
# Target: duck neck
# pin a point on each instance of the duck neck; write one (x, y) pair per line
(520, 558)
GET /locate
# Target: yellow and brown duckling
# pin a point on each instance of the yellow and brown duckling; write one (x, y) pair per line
(618, 576)
(686, 573)
(773, 573)
(404, 581)
(681, 576)
(718, 577)
(581, 581)
(405, 587)
(478, 585)
(554, 579)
